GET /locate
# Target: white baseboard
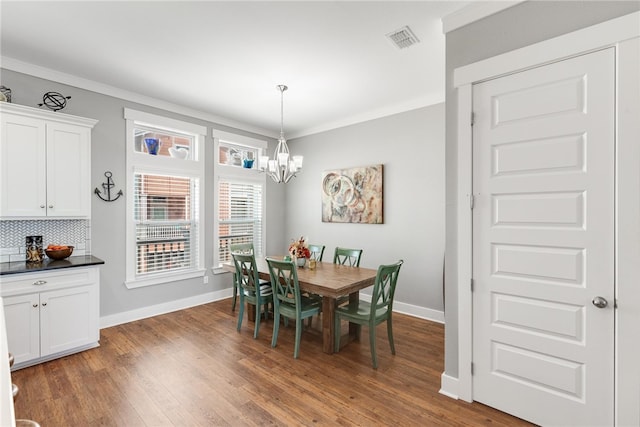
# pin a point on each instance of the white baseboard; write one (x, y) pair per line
(168, 307)
(449, 386)
(413, 310)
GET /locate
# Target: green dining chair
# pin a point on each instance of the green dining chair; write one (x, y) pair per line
(372, 314)
(316, 252)
(346, 256)
(251, 289)
(287, 300)
(242, 248)
(350, 257)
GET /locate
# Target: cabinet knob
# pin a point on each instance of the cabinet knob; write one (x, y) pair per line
(50, 206)
(39, 282)
(44, 304)
(41, 206)
(35, 305)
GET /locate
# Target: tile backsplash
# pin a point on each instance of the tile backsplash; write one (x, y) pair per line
(76, 232)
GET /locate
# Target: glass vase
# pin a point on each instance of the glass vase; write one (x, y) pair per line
(153, 145)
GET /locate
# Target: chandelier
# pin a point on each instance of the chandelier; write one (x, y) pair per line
(283, 166)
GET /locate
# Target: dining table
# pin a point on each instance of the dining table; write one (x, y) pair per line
(330, 281)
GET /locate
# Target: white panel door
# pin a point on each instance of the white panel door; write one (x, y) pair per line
(543, 242)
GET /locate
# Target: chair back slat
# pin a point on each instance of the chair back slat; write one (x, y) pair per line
(345, 256)
(284, 281)
(246, 271)
(317, 251)
(242, 248)
(385, 286)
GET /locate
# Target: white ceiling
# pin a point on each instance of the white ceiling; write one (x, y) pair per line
(225, 58)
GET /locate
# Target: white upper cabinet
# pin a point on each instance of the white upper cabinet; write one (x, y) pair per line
(45, 161)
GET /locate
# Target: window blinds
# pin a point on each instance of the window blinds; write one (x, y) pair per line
(166, 223)
(239, 216)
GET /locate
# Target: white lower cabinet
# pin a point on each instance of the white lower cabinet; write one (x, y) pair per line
(22, 317)
(51, 314)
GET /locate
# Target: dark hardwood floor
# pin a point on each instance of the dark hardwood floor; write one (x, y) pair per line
(192, 368)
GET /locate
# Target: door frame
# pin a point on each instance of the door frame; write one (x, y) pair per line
(623, 34)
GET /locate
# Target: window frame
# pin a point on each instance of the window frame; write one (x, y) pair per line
(225, 172)
(140, 162)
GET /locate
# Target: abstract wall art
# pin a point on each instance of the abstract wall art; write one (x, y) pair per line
(352, 195)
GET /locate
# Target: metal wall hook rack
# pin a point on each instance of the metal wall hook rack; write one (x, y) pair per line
(107, 186)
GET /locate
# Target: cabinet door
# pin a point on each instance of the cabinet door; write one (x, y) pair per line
(68, 170)
(23, 326)
(22, 167)
(68, 318)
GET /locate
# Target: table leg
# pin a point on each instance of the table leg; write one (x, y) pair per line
(354, 328)
(328, 327)
(251, 312)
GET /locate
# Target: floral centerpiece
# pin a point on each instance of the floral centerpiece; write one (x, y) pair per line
(299, 248)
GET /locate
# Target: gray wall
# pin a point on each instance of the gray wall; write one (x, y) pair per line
(522, 25)
(108, 219)
(410, 145)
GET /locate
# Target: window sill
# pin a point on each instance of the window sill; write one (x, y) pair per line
(164, 278)
(219, 270)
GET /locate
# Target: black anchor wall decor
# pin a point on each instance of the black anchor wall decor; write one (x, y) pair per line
(107, 186)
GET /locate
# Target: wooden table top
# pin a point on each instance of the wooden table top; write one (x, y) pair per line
(328, 279)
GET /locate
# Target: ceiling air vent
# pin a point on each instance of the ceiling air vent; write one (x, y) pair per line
(403, 37)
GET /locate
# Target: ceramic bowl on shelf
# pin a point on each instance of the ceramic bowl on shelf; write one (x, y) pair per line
(58, 254)
(178, 152)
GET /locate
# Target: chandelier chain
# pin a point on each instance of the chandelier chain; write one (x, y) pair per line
(282, 89)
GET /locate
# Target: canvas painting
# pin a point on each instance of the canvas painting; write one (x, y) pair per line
(352, 195)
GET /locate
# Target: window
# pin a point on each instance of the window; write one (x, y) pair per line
(165, 171)
(239, 195)
(163, 217)
(239, 216)
(169, 144)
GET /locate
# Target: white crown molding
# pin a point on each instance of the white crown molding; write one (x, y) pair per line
(414, 104)
(94, 86)
(38, 113)
(474, 12)
(79, 82)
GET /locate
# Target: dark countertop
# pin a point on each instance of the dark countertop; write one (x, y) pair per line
(48, 264)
